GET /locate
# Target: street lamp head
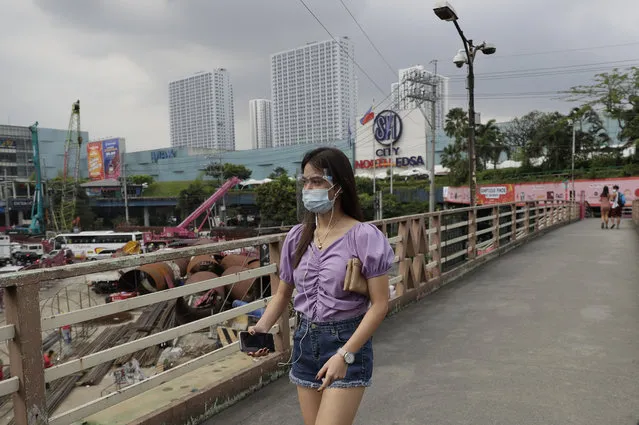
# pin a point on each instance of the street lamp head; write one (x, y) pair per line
(445, 11)
(488, 49)
(460, 58)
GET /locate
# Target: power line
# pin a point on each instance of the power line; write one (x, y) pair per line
(576, 49)
(557, 70)
(393, 71)
(341, 47)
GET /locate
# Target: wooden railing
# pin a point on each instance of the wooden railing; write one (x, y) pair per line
(430, 250)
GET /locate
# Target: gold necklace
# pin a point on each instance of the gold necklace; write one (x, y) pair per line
(330, 227)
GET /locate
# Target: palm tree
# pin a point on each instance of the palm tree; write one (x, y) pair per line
(456, 126)
(489, 144)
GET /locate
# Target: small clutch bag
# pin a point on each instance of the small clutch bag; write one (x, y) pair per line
(354, 281)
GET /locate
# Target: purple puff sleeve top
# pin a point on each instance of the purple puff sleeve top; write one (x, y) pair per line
(319, 277)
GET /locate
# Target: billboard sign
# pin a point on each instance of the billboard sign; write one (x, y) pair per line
(495, 194)
(111, 153)
(104, 159)
(95, 161)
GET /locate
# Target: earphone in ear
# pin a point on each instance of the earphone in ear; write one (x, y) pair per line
(288, 362)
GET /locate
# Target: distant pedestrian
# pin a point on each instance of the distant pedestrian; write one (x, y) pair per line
(604, 201)
(66, 333)
(618, 201)
(48, 362)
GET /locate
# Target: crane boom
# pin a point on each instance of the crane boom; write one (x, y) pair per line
(209, 202)
(181, 230)
(64, 212)
(37, 209)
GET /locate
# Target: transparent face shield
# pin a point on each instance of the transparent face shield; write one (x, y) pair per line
(315, 181)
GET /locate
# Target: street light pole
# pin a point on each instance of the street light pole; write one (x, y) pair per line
(433, 127)
(446, 12)
(574, 136)
(472, 164)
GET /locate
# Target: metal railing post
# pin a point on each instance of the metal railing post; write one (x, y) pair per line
(25, 354)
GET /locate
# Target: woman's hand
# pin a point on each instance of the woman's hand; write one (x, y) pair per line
(334, 369)
(257, 329)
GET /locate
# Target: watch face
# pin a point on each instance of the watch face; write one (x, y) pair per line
(349, 358)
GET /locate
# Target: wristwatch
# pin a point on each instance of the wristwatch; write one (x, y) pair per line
(349, 358)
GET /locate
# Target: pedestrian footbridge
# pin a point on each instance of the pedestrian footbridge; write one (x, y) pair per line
(505, 314)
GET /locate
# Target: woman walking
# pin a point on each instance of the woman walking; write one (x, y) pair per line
(604, 201)
(332, 356)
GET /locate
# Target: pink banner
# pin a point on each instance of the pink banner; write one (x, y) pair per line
(591, 189)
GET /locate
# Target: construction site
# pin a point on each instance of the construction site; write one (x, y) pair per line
(82, 339)
(54, 223)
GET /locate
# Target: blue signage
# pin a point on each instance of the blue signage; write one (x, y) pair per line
(387, 127)
(163, 154)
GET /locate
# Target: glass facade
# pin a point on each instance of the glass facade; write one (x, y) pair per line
(186, 164)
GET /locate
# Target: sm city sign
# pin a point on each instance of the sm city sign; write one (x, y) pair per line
(387, 130)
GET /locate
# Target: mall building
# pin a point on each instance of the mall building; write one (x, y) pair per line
(400, 145)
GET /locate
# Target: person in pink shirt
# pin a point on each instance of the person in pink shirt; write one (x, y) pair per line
(332, 356)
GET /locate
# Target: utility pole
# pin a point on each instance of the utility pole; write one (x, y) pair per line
(126, 197)
(572, 172)
(433, 127)
(422, 88)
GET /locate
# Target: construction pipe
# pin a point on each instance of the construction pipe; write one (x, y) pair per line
(201, 263)
(150, 278)
(187, 312)
(182, 264)
(234, 260)
(241, 290)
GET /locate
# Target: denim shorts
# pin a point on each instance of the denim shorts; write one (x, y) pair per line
(316, 342)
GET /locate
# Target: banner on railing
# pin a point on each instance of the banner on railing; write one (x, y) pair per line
(495, 194)
(522, 192)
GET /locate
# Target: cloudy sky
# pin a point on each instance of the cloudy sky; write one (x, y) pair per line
(117, 56)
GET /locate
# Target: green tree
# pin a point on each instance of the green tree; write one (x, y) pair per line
(277, 201)
(456, 126)
(141, 179)
(363, 185)
(236, 170)
(617, 94)
(192, 197)
(215, 170)
(518, 136)
(454, 156)
(227, 170)
(489, 144)
(554, 136)
(278, 172)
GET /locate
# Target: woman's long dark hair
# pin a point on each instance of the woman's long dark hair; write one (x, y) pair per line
(605, 192)
(339, 168)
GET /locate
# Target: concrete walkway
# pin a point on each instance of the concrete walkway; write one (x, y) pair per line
(548, 334)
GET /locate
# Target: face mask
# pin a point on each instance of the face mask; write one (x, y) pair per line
(316, 200)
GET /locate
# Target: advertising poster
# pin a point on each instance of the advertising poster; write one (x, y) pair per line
(95, 161)
(629, 186)
(495, 194)
(457, 195)
(522, 192)
(111, 155)
(542, 191)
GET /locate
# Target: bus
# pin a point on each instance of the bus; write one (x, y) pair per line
(88, 245)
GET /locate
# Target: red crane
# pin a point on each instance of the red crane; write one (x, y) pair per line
(182, 230)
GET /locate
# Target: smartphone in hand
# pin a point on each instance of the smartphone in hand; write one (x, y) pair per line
(253, 343)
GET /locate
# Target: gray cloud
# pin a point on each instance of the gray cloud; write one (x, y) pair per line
(118, 56)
